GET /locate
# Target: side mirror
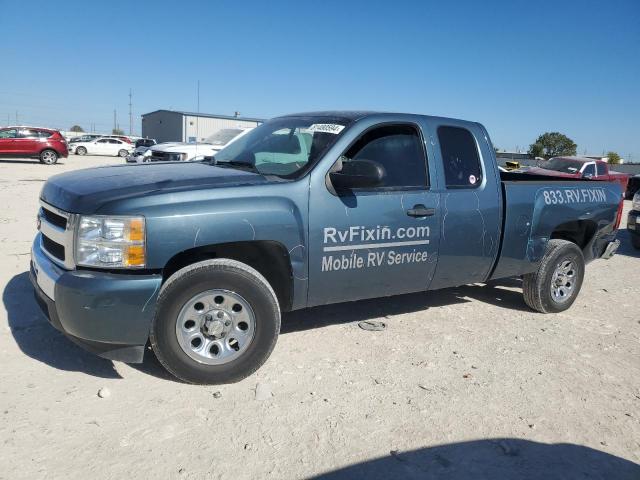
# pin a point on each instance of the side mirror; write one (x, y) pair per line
(358, 174)
(587, 176)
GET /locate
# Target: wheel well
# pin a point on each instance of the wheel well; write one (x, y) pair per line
(580, 232)
(269, 258)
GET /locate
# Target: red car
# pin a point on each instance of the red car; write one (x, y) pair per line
(578, 167)
(33, 142)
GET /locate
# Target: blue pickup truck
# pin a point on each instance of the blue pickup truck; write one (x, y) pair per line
(200, 259)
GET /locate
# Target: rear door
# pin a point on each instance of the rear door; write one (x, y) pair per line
(116, 145)
(7, 141)
(471, 203)
(375, 242)
(27, 142)
(100, 147)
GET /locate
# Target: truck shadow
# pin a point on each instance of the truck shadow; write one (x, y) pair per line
(494, 293)
(39, 340)
(499, 458)
(626, 248)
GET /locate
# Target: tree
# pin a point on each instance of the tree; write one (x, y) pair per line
(536, 150)
(614, 158)
(77, 129)
(552, 144)
(117, 131)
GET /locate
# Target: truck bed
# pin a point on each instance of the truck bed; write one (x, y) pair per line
(538, 208)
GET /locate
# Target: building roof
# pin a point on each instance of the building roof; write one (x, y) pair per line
(208, 115)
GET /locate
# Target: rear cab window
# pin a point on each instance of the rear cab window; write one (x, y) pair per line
(601, 168)
(460, 157)
(589, 169)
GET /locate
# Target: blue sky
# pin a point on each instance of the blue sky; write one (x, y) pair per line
(520, 67)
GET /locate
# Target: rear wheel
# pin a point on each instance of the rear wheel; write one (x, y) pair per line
(49, 157)
(123, 153)
(217, 321)
(555, 285)
(81, 151)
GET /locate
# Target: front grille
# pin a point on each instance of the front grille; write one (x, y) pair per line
(57, 228)
(165, 156)
(53, 248)
(57, 220)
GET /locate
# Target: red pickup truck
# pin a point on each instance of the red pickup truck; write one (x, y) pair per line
(578, 167)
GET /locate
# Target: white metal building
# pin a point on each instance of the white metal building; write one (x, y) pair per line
(177, 126)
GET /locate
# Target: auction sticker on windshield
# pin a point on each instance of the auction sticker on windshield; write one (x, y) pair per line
(326, 128)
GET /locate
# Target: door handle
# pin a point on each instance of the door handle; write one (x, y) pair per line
(421, 211)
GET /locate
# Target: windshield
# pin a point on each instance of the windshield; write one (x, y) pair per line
(563, 165)
(283, 146)
(224, 136)
(145, 142)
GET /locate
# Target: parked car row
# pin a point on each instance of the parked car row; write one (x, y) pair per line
(89, 137)
(187, 152)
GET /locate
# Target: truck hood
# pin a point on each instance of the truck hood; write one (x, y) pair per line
(85, 191)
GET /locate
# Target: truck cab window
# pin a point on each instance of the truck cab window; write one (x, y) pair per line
(398, 148)
(601, 168)
(589, 170)
(460, 158)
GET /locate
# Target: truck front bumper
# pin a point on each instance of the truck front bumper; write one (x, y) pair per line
(107, 314)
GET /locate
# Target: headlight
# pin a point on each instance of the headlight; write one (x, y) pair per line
(111, 242)
(636, 201)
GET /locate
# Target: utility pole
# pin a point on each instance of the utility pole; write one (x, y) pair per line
(17, 122)
(114, 119)
(130, 115)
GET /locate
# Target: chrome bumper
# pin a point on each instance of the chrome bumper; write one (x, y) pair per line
(45, 271)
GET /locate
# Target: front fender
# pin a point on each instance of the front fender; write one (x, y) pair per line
(176, 222)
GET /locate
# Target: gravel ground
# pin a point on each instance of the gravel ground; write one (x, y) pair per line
(462, 383)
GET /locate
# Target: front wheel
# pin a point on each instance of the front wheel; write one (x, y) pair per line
(555, 285)
(123, 153)
(216, 321)
(49, 157)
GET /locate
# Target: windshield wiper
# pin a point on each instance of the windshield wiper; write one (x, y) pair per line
(235, 164)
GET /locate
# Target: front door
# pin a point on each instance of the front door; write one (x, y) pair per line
(8, 141)
(379, 241)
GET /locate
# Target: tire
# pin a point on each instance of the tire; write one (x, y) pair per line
(565, 258)
(49, 157)
(81, 151)
(123, 153)
(235, 281)
(635, 241)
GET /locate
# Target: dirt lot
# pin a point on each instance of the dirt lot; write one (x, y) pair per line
(463, 383)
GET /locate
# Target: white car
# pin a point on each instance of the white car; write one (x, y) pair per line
(103, 146)
(190, 152)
